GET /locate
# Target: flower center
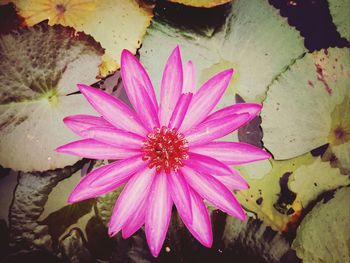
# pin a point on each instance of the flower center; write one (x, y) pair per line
(165, 149)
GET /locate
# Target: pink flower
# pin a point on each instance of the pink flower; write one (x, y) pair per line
(167, 152)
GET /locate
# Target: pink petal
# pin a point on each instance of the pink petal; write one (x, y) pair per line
(226, 175)
(180, 195)
(200, 226)
(89, 148)
(131, 198)
(113, 110)
(232, 181)
(180, 110)
(158, 213)
(132, 73)
(171, 86)
(211, 130)
(253, 109)
(215, 192)
(138, 86)
(79, 123)
(105, 179)
(189, 85)
(206, 99)
(135, 222)
(208, 165)
(115, 137)
(147, 113)
(235, 153)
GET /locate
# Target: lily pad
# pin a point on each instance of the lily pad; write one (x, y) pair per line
(309, 181)
(40, 67)
(342, 154)
(269, 197)
(8, 184)
(29, 198)
(323, 235)
(57, 199)
(257, 239)
(116, 24)
(309, 106)
(250, 40)
(73, 247)
(340, 12)
(105, 203)
(201, 3)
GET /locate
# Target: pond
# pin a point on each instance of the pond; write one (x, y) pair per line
(174, 131)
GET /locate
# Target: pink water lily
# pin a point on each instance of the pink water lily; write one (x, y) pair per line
(167, 153)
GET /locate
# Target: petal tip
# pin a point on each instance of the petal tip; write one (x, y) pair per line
(126, 54)
(154, 251)
(82, 87)
(111, 233)
(77, 196)
(176, 52)
(269, 155)
(71, 199)
(243, 186)
(67, 119)
(228, 72)
(177, 48)
(256, 108)
(125, 235)
(207, 243)
(241, 215)
(60, 149)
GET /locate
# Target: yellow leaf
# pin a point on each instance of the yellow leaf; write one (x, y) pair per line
(116, 24)
(201, 3)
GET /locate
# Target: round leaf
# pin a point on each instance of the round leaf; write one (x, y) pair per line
(40, 67)
(116, 24)
(201, 3)
(340, 12)
(323, 235)
(309, 105)
(269, 196)
(309, 181)
(250, 41)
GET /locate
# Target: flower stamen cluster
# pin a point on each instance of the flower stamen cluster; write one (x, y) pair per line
(165, 149)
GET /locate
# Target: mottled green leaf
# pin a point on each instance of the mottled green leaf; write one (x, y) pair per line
(269, 196)
(40, 68)
(254, 39)
(309, 181)
(309, 105)
(340, 11)
(323, 235)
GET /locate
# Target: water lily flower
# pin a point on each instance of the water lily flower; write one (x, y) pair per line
(167, 153)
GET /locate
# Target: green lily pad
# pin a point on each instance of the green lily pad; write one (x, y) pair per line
(57, 199)
(257, 239)
(8, 184)
(254, 40)
(323, 235)
(40, 68)
(309, 181)
(29, 198)
(309, 106)
(269, 197)
(340, 12)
